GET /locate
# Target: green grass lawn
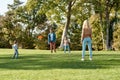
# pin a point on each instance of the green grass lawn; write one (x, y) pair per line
(42, 65)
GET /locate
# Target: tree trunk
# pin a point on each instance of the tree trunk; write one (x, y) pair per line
(107, 25)
(101, 23)
(116, 12)
(67, 24)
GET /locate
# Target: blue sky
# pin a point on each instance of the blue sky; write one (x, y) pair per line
(3, 5)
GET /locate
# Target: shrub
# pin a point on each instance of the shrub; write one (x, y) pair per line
(116, 37)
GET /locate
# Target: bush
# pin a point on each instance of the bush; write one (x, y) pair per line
(26, 42)
(116, 37)
(41, 44)
(5, 44)
(97, 43)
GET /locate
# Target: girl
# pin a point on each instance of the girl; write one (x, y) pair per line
(86, 38)
(66, 43)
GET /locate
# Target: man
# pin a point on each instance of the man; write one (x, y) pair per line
(52, 40)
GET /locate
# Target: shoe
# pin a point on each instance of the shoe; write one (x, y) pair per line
(90, 59)
(82, 59)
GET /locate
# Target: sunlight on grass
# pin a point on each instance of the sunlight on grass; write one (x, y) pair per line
(43, 65)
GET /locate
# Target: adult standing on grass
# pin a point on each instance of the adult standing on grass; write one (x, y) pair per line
(86, 38)
(52, 40)
(15, 47)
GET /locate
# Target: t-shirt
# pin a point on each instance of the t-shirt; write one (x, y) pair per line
(66, 42)
(15, 46)
(51, 37)
(86, 33)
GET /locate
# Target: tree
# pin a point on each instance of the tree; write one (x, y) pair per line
(23, 20)
(109, 5)
(35, 18)
(116, 37)
(105, 9)
(70, 5)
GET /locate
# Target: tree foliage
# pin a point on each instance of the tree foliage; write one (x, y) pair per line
(65, 16)
(116, 37)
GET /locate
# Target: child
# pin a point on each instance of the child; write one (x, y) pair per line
(66, 43)
(15, 47)
(52, 40)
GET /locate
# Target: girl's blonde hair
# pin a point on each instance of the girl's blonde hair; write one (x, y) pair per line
(86, 24)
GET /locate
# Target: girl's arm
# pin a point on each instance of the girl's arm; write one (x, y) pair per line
(48, 39)
(91, 33)
(82, 35)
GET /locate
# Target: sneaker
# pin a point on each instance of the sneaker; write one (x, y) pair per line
(82, 59)
(90, 59)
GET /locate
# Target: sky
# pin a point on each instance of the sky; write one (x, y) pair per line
(3, 5)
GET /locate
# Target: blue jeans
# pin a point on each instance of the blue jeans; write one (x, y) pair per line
(87, 41)
(15, 54)
(66, 47)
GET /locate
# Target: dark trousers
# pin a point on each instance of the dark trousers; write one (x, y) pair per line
(52, 47)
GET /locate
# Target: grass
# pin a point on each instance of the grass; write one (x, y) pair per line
(42, 65)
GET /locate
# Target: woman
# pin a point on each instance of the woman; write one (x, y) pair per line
(86, 38)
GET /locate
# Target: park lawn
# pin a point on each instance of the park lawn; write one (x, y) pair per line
(42, 65)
